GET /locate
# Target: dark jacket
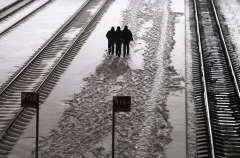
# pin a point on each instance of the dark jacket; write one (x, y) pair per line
(111, 35)
(127, 35)
(118, 36)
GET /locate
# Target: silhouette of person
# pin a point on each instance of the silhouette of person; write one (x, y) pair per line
(127, 37)
(118, 41)
(111, 36)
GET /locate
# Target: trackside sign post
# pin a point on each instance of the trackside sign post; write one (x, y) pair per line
(31, 100)
(120, 104)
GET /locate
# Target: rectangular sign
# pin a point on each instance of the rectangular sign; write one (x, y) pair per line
(30, 99)
(122, 103)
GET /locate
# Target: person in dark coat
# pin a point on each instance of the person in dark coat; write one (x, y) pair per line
(111, 36)
(118, 41)
(127, 37)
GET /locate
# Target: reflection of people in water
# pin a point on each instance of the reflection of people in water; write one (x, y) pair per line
(111, 68)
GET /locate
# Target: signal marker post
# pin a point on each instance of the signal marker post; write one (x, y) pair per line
(120, 104)
(31, 100)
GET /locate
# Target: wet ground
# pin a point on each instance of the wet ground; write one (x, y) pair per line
(22, 42)
(75, 120)
(176, 101)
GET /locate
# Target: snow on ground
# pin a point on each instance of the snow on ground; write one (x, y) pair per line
(16, 17)
(84, 129)
(79, 115)
(85, 63)
(5, 3)
(23, 41)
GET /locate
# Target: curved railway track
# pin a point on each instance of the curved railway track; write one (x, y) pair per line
(42, 72)
(3, 16)
(216, 87)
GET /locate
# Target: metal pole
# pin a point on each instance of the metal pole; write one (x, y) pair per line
(113, 130)
(37, 129)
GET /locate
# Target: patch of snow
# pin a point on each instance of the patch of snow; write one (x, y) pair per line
(95, 8)
(83, 126)
(9, 22)
(22, 42)
(72, 33)
(5, 3)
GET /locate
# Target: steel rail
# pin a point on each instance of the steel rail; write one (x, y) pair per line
(10, 5)
(3, 134)
(24, 18)
(44, 47)
(16, 10)
(29, 63)
(204, 83)
(73, 44)
(225, 48)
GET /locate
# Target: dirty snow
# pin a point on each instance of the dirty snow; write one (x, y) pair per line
(146, 130)
(76, 120)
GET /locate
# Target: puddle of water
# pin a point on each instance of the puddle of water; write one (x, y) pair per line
(176, 101)
(89, 57)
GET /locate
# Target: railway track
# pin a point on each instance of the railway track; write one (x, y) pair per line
(42, 72)
(12, 10)
(216, 87)
(12, 5)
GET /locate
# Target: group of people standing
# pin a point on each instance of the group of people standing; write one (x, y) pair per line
(118, 38)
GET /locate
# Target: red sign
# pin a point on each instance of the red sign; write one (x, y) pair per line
(30, 99)
(122, 103)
